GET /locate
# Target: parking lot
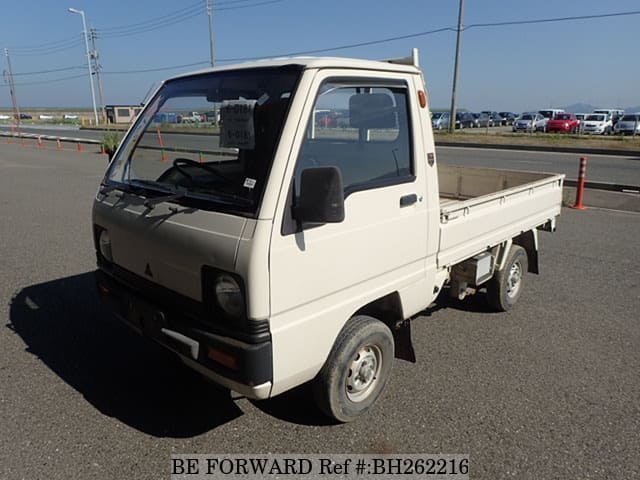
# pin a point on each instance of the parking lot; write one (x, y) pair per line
(548, 390)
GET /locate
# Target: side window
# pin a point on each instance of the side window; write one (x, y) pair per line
(364, 130)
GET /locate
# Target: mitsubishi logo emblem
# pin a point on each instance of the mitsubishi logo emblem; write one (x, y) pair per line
(148, 272)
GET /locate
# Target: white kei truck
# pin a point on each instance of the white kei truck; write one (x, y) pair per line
(277, 249)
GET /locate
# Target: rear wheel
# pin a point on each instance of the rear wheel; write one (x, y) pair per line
(357, 369)
(505, 288)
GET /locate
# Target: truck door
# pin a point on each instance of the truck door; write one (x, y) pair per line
(321, 274)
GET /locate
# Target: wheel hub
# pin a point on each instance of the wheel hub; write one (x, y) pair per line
(513, 280)
(363, 372)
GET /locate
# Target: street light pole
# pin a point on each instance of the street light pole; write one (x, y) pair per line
(86, 44)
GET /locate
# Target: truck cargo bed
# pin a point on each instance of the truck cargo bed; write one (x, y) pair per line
(482, 207)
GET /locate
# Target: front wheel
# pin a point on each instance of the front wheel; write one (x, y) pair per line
(357, 369)
(505, 288)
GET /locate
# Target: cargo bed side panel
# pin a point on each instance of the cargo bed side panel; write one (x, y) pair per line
(471, 225)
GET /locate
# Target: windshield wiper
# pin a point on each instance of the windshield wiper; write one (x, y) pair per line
(104, 189)
(150, 184)
(177, 193)
(173, 191)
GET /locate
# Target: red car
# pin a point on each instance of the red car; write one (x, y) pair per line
(564, 123)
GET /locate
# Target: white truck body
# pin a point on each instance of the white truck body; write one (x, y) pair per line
(305, 290)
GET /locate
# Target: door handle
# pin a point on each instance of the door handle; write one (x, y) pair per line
(408, 200)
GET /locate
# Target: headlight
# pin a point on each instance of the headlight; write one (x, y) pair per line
(104, 241)
(229, 295)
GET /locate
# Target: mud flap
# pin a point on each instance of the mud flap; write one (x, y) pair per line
(402, 342)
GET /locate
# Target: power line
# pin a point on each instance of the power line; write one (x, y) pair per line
(359, 44)
(42, 82)
(151, 27)
(48, 51)
(266, 2)
(41, 72)
(179, 16)
(550, 20)
(159, 69)
(343, 47)
(430, 32)
(47, 45)
(188, 9)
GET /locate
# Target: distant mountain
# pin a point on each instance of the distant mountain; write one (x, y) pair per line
(579, 108)
(586, 108)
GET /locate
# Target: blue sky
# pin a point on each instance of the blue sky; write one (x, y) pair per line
(516, 67)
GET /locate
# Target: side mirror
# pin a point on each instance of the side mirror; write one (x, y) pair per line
(321, 197)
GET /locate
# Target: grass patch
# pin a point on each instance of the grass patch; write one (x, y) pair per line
(613, 142)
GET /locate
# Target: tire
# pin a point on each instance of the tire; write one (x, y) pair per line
(356, 371)
(505, 288)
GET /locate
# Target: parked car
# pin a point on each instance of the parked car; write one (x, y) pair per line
(509, 117)
(24, 116)
(440, 120)
(464, 120)
(529, 122)
(598, 124)
(496, 118)
(4, 117)
(167, 117)
(550, 112)
(614, 113)
(481, 120)
(628, 124)
(581, 116)
(564, 123)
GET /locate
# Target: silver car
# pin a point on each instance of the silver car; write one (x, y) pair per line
(529, 122)
(440, 120)
(629, 124)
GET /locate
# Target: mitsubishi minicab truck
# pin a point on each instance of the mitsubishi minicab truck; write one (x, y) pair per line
(274, 247)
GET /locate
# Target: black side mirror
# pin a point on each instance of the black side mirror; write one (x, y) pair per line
(321, 197)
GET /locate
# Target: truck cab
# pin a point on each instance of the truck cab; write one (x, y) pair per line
(278, 249)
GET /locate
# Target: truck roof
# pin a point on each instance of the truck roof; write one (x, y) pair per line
(318, 62)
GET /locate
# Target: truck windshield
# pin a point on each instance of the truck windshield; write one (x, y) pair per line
(212, 137)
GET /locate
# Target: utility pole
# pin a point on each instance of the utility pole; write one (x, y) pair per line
(8, 76)
(211, 46)
(452, 115)
(97, 67)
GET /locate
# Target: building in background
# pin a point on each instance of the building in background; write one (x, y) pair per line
(122, 113)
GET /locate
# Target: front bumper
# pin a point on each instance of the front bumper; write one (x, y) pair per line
(240, 364)
(558, 128)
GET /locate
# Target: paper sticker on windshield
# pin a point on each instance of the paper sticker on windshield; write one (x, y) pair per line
(237, 128)
(249, 183)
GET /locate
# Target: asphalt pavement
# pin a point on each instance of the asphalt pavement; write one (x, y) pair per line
(549, 390)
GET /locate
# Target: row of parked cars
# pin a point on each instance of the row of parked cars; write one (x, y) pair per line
(440, 120)
(599, 122)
